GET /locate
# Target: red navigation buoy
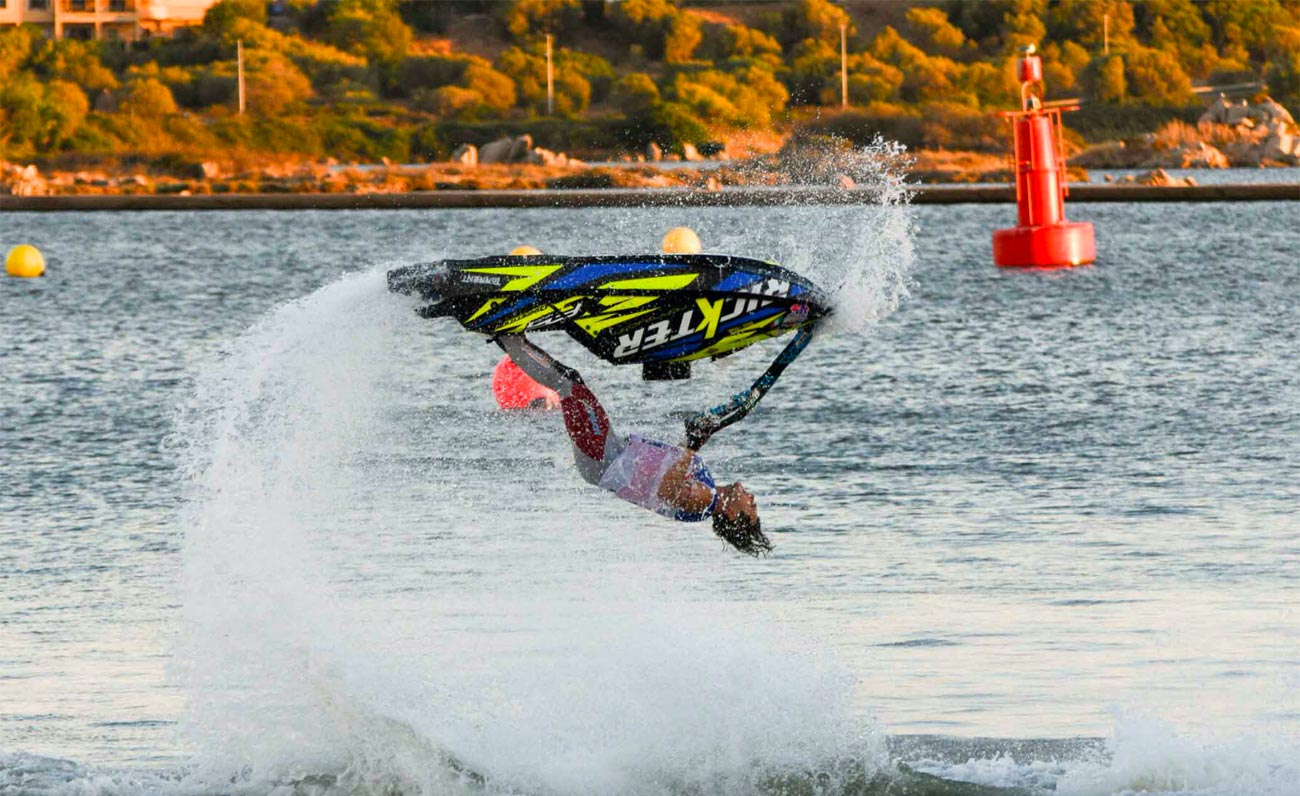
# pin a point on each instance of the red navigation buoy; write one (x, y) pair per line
(1043, 238)
(515, 389)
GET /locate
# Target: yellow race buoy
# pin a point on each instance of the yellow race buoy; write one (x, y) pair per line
(681, 240)
(25, 261)
(524, 251)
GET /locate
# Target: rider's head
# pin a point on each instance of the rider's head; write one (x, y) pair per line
(735, 519)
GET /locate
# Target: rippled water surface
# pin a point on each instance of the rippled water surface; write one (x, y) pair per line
(1033, 530)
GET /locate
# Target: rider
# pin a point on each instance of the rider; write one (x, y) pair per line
(670, 480)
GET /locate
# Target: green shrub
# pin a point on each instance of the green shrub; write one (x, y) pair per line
(272, 83)
(371, 28)
(453, 102)
(16, 46)
(39, 118)
(662, 30)
(931, 29)
(819, 20)
(148, 98)
(221, 16)
(860, 127)
(528, 71)
(746, 99)
(681, 38)
(430, 72)
(1104, 80)
(724, 42)
(595, 70)
(495, 89)
(528, 18)
(635, 93)
(75, 61)
(956, 126)
(1156, 78)
(668, 124)
(1096, 121)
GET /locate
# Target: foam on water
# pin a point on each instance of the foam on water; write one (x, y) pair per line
(1144, 755)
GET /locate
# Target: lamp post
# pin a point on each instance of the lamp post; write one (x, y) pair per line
(844, 66)
(550, 79)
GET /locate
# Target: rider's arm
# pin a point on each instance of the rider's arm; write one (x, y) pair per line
(540, 366)
(680, 491)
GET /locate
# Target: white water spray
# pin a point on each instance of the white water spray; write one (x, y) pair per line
(389, 585)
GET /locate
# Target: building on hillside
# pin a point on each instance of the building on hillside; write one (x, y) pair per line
(122, 20)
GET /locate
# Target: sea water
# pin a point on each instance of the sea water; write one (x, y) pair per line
(262, 529)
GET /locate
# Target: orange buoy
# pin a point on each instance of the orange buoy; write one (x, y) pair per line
(1043, 237)
(515, 389)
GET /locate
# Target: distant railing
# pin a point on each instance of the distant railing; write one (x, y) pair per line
(89, 6)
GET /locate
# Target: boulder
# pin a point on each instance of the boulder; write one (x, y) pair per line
(520, 149)
(465, 155)
(496, 152)
(1280, 144)
(653, 153)
(545, 157)
(1157, 177)
(1237, 113)
(1268, 112)
(689, 152)
(1199, 156)
(1217, 113)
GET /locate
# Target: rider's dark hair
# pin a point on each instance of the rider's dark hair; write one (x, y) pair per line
(743, 532)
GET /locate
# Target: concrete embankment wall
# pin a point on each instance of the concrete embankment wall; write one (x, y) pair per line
(616, 197)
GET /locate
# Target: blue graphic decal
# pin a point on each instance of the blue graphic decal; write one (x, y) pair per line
(738, 280)
(595, 271)
(523, 303)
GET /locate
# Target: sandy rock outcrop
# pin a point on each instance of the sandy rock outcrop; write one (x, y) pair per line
(1157, 177)
(18, 180)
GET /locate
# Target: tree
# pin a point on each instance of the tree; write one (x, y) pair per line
(147, 98)
(1087, 21)
(528, 18)
(16, 45)
(495, 89)
(272, 83)
(75, 61)
(635, 93)
(817, 19)
(371, 28)
(1155, 77)
(528, 71)
(1022, 25)
(1103, 80)
(659, 27)
(1247, 26)
(681, 38)
(39, 117)
(933, 32)
(220, 17)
